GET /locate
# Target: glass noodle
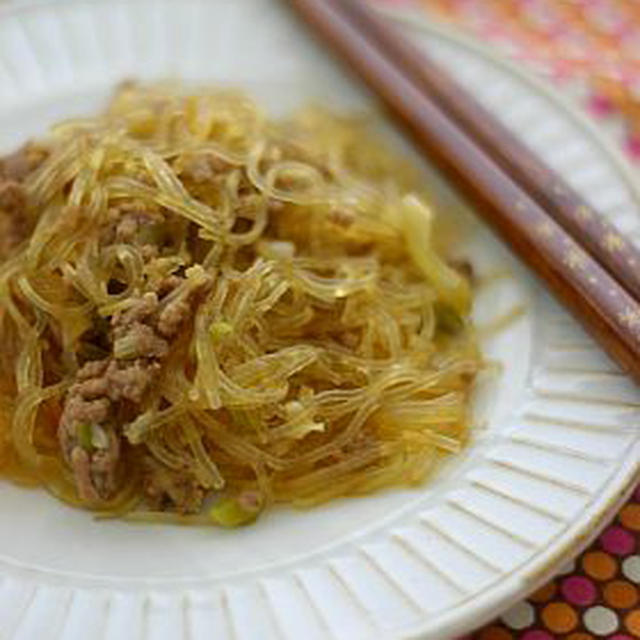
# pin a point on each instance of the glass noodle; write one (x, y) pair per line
(310, 340)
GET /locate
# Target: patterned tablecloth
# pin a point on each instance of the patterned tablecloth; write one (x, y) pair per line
(593, 45)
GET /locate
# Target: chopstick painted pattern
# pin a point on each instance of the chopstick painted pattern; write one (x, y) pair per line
(608, 311)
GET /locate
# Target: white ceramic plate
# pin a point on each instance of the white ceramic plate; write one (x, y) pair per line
(559, 443)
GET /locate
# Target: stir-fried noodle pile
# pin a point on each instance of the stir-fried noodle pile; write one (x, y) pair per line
(204, 311)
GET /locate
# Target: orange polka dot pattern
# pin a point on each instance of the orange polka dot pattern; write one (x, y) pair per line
(598, 596)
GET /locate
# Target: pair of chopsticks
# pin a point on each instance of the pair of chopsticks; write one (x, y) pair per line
(589, 266)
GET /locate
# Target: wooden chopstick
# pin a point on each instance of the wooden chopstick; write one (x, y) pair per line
(597, 300)
(593, 231)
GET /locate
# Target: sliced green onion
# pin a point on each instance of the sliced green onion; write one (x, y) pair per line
(84, 433)
(236, 511)
(220, 330)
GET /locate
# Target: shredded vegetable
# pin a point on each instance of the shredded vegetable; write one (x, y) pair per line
(205, 311)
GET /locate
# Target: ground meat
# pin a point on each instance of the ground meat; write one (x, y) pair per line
(172, 316)
(141, 309)
(341, 218)
(88, 408)
(80, 410)
(168, 489)
(92, 388)
(14, 227)
(95, 470)
(139, 341)
(79, 413)
(180, 309)
(18, 165)
(81, 465)
(90, 405)
(167, 285)
(104, 465)
(131, 381)
(203, 168)
(13, 198)
(149, 252)
(11, 235)
(198, 169)
(92, 369)
(102, 384)
(127, 228)
(14, 223)
(127, 221)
